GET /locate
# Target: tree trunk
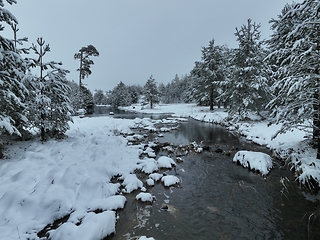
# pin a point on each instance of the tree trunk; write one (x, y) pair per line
(316, 116)
(316, 120)
(211, 98)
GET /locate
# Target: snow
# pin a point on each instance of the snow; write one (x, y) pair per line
(170, 180)
(258, 161)
(165, 162)
(150, 182)
(148, 165)
(145, 197)
(131, 182)
(42, 182)
(156, 176)
(146, 238)
(100, 225)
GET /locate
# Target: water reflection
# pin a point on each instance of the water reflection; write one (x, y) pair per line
(198, 131)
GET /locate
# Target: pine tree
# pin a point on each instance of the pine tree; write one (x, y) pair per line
(120, 96)
(99, 97)
(247, 88)
(51, 110)
(151, 91)
(210, 72)
(85, 61)
(297, 32)
(12, 88)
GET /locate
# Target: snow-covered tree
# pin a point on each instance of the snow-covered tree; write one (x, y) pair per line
(295, 47)
(151, 91)
(74, 97)
(51, 110)
(173, 91)
(99, 97)
(12, 71)
(210, 72)
(247, 87)
(135, 92)
(120, 96)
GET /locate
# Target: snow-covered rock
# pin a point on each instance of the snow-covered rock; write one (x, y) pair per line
(170, 180)
(156, 176)
(150, 182)
(165, 162)
(131, 182)
(258, 161)
(148, 165)
(145, 197)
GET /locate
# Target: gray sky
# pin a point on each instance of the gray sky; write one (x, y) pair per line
(137, 38)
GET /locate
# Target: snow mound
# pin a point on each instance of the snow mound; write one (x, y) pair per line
(150, 182)
(258, 161)
(165, 162)
(148, 165)
(100, 225)
(156, 176)
(131, 182)
(146, 238)
(170, 180)
(145, 197)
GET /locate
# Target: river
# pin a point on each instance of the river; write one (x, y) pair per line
(218, 199)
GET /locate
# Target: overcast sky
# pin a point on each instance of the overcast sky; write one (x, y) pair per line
(137, 38)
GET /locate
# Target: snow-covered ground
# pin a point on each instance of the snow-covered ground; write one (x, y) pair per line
(291, 146)
(83, 177)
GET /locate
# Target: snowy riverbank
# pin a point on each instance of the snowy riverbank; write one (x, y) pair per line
(81, 179)
(291, 146)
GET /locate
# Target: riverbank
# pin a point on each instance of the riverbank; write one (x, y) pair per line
(291, 147)
(71, 188)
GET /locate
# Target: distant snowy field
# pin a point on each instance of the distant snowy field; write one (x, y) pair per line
(291, 145)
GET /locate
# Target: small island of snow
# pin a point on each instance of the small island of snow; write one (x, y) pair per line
(257, 161)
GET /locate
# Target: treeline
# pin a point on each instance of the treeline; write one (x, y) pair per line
(151, 92)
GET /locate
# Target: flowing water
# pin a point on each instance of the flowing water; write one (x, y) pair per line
(218, 199)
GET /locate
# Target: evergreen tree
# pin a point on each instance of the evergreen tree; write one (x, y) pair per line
(120, 96)
(85, 61)
(74, 96)
(51, 110)
(186, 95)
(163, 93)
(86, 100)
(151, 91)
(135, 92)
(246, 88)
(99, 97)
(210, 72)
(295, 47)
(12, 74)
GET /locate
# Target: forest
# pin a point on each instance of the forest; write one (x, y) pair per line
(277, 78)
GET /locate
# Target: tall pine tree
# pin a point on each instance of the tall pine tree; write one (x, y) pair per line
(210, 73)
(151, 91)
(247, 88)
(295, 47)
